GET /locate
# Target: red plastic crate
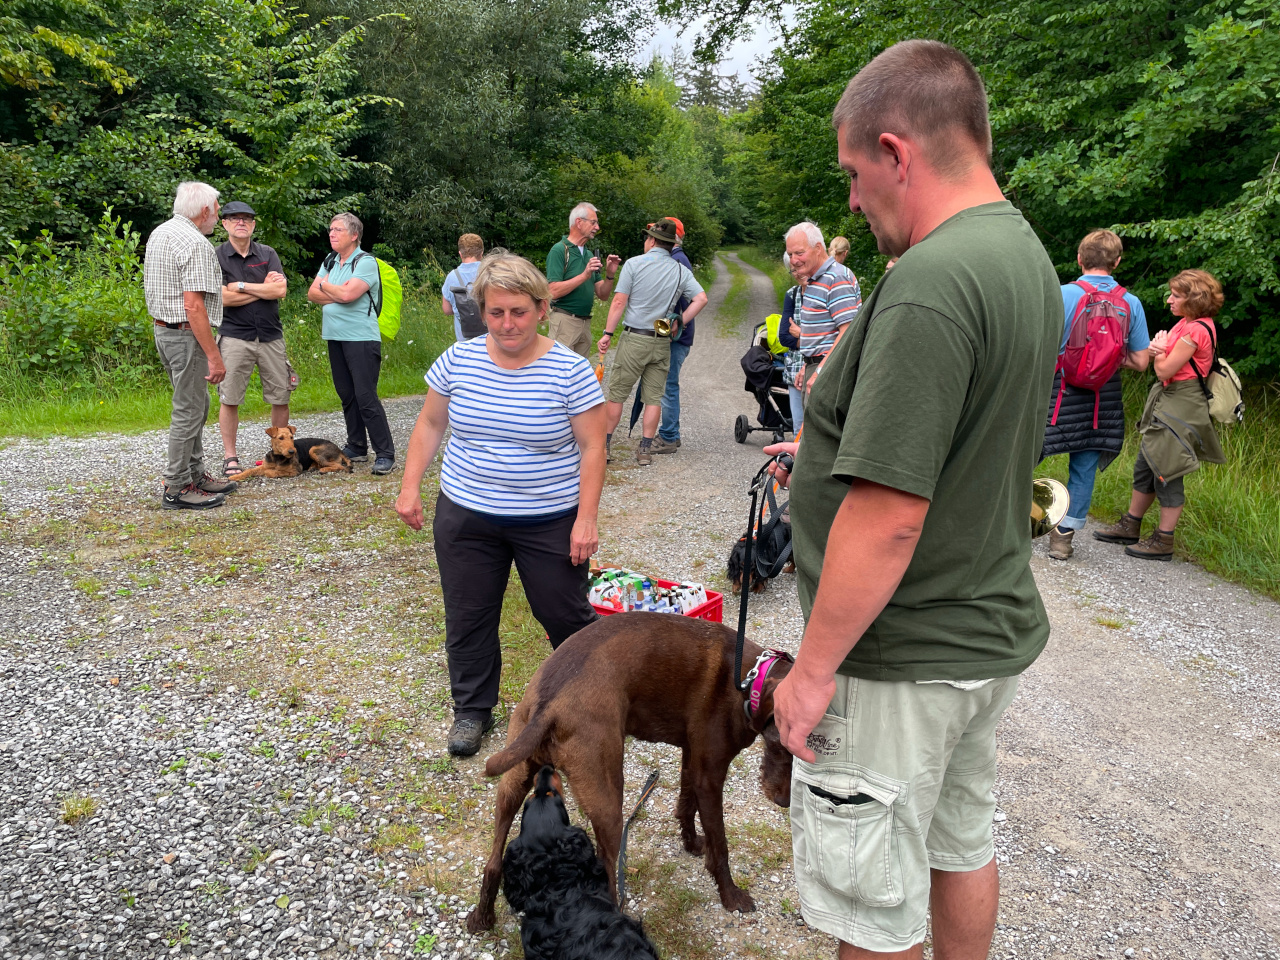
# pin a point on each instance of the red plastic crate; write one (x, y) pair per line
(712, 610)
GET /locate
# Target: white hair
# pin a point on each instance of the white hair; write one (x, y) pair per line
(350, 222)
(193, 198)
(786, 260)
(811, 232)
(581, 212)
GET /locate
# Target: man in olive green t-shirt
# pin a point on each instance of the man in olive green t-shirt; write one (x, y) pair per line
(910, 518)
(573, 271)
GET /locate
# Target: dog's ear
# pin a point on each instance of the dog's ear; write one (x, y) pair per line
(293, 431)
(270, 432)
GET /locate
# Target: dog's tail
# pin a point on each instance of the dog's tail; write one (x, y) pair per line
(530, 739)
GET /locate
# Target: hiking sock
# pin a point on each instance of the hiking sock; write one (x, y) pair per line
(1167, 533)
(608, 442)
(646, 443)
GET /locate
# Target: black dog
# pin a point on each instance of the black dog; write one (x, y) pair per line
(552, 874)
(771, 555)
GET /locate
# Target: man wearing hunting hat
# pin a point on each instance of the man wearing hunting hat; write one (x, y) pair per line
(649, 289)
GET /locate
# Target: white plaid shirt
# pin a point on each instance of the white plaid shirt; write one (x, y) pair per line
(181, 259)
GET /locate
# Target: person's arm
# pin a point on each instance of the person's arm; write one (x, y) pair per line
(695, 307)
(567, 285)
(588, 430)
(1136, 360)
(1166, 364)
(198, 317)
(352, 290)
(318, 294)
(611, 323)
(446, 307)
(425, 440)
(871, 543)
(276, 287)
(605, 287)
(1136, 356)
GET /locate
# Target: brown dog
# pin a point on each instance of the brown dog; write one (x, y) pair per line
(290, 457)
(655, 677)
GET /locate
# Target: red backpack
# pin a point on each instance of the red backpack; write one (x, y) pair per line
(1096, 345)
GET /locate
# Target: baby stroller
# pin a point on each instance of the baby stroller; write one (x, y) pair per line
(764, 382)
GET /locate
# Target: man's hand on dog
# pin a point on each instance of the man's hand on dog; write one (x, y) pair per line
(799, 702)
(409, 507)
(778, 472)
(583, 542)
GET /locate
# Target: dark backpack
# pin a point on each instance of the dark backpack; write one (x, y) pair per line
(1096, 343)
(468, 312)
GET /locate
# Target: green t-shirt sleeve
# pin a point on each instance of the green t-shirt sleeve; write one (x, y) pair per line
(913, 378)
(555, 264)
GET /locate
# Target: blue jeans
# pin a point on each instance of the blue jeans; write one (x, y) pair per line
(670, 429)
(797, 408)
(1081, 470)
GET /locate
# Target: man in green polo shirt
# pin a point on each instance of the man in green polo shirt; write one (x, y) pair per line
(573, 270)
(910, 516)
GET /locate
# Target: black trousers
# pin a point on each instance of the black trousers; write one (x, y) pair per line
(355, 365)
(474, 557)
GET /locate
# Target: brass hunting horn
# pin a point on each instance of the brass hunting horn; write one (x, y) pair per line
(671, 326)
(1049, 503)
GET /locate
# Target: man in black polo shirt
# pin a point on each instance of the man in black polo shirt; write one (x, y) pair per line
(251, 335)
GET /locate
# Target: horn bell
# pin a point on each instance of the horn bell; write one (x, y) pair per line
(1049, 504)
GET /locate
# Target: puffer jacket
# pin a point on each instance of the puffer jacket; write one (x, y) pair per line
(1074, 430)
(1177, 431)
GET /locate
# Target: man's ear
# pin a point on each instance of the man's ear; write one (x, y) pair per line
(899, 152)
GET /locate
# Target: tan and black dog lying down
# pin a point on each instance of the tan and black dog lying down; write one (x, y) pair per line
(658, 678)
(290, 457)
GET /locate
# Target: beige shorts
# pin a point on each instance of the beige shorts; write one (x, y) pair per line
(573, 332)
(902, 784)
(274, 370)
(642, 358)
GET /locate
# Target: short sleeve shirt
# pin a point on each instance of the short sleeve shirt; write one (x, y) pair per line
(1139, 337)
(259, 320)
(357, 320)
(653, 283)
(511, 449)
(463, 275)
(939, 388)
(1194, 331)
(180, 259)
(566, 261)
(831, 299)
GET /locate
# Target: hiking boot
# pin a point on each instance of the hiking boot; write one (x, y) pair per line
(383, 466)
(464, 737)
(1060, 544)
(644, 456)
(1158, 546)
(190, 497)
(1128, 529)
(349, 452)
(214, 485)
(664, 446)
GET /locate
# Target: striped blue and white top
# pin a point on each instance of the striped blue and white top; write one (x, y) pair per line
(511, 452)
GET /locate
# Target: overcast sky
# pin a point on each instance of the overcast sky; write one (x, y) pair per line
(744, 56)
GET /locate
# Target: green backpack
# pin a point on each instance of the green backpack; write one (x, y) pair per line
(390, 293)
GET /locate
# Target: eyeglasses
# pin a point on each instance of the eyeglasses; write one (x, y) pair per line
(241, 219)
(594, 220)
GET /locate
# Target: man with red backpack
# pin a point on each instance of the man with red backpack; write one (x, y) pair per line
(1105, 329)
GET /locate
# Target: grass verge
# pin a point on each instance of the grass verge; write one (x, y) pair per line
(772, 268)
(733, 310)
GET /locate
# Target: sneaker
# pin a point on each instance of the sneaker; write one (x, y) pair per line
(664, 446)
(190, 497)
(644, 456)
(1060, 544)
(214, 485)
(349, 452)
(383, 466)
(1158, 546)
(464, 737)
(1128, 529)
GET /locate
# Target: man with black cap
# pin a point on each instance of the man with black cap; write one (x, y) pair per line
(251, 335)
(649, 287)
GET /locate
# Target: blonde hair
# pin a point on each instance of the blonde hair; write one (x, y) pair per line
(470, 245)
(839, 248)
(507, 271)
(1200, 291)
(1100, 250)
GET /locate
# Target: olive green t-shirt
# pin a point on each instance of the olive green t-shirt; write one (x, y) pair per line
(939, 388)
(581, 299)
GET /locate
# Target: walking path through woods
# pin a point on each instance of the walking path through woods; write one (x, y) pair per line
(223, 734)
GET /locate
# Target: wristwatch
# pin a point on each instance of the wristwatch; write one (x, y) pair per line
(240, 287)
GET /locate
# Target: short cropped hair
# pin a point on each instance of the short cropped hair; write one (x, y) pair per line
(470, 245)
(1100, 250)
(924, 90)
(351, 222)
(1200, 291)
(582, 211)
(812, 232)
(839, 245)
(503, 270)
(193, 198)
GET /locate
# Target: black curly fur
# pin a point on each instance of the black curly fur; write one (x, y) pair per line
(552, 874)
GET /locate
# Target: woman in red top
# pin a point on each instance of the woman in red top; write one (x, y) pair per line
(1177, 431)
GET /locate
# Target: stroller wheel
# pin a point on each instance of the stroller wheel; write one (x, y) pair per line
(778, 436)
(741, 427)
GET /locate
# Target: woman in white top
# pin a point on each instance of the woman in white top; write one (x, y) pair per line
(520, 480)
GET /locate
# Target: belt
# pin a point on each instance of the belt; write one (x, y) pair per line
(817, 358)
(640, 333)
(568, 314)
(184, 325)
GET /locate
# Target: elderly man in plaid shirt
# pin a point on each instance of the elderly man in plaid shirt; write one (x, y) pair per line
(183, 283)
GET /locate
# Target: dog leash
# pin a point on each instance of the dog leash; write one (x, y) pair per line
(648, 788)
(758, 482)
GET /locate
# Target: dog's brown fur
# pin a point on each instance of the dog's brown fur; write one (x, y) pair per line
(291, 458)
(658, 678)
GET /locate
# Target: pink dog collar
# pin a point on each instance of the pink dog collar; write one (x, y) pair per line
(757, 676)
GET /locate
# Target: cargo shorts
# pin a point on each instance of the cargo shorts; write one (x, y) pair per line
(902, 784)
(642, 358)
(274, 370)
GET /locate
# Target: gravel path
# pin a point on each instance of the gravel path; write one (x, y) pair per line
(242, 716)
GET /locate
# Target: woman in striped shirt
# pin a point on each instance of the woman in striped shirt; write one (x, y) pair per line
(520, 480)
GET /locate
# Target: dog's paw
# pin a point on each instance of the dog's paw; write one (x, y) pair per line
(481, 919)
(695, 845)
(735, 898)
